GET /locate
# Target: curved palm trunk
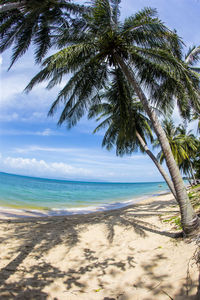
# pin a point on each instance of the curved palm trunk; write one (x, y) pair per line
(189, 219)
(11, 6)
(158, 165)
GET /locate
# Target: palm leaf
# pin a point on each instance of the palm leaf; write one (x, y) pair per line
(193, 55)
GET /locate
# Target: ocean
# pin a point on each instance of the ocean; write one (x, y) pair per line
(60, 197)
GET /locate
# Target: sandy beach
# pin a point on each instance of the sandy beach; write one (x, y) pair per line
(123, 254)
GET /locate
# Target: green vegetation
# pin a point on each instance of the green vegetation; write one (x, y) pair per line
(195, 199)
(98, 290)
(194, 196)
(196, 186)
(176, 221)
(184, 146)
(34, 21)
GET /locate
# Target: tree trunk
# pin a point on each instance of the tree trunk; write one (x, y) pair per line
(189, 219)
(158, 165)
(11, 6)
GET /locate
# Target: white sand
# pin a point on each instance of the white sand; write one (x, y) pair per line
(124, 254)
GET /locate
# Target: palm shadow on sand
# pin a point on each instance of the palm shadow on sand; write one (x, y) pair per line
(36, 236)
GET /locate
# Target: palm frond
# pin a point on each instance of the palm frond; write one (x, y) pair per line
(65, 61)
(144, 28)
(35, 23)
(79, 92)
(193, 55)
(122, 115)
(101, 15)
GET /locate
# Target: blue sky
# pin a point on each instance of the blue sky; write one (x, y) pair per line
(32, 144)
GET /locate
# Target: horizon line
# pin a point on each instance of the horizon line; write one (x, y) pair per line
(80, 180)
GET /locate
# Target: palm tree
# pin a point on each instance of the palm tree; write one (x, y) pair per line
(127, 126)
(190, 144)
(150, 57)
(34, 21)
(197, 163)
(184, 146)
(191, 58)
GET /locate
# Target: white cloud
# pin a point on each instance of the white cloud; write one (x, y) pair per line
(9, 117)
(48, 132)
(79, 164)
(34, 167)
(85, 155)
(11, 86)
(1, 59)
(35, 148)
(45, 132)
(29, 107)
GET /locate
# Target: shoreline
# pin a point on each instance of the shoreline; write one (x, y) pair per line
(8, 212)
(125, 254)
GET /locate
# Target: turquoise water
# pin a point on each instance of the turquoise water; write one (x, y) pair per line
(67, 196)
